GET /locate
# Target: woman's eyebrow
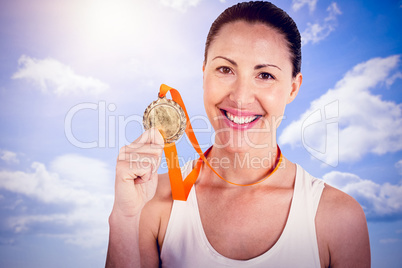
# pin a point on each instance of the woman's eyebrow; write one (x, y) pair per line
(229, 60)
(260, 66)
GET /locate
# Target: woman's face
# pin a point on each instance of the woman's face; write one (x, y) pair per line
(247, 84)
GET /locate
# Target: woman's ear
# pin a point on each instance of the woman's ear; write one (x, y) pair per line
(296, 83)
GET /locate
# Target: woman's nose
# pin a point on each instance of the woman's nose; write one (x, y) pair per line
(242, 93)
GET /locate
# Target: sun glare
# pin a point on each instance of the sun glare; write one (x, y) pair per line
(112, 20)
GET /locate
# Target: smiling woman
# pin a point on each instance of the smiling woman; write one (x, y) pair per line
(251, 71)
(248, 83)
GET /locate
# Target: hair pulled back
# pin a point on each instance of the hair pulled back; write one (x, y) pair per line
(261, 12)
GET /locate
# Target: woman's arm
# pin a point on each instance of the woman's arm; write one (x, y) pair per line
(123, 248)
(148, 236)
(135, 184)
(153, 223)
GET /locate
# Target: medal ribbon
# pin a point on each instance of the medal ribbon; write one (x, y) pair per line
(180, 188)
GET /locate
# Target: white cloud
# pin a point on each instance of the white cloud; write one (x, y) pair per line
(316, 32)
(82, 185)
(298, 4)
(392, 79)
(87, 172)
(51, 75)
(181, 5)
(333, 12)
(366, 123)
(9, 157)
(379, 201)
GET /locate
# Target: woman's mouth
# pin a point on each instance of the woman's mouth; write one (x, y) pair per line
(240, 121)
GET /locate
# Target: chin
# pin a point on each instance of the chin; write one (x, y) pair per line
(233, 143)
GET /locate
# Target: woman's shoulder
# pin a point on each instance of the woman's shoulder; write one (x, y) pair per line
(333, 202)
(163, 191)
(337, 204)
(161, 199)
(342, 228)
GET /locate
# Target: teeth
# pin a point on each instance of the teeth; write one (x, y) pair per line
(240, 120)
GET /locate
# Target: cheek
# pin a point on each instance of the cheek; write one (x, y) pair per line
(208, 98)
(207, 93)
(274, 102)
(213, 93)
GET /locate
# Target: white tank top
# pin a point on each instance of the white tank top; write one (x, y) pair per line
(186, 245)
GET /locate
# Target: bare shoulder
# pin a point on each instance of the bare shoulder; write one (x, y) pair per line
(163, 191)
(335, 203)
(163, 197)
(342, 230)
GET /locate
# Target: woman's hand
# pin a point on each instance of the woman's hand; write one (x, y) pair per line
(136, 173)
(135, 184)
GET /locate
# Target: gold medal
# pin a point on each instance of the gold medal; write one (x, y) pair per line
(167, 116)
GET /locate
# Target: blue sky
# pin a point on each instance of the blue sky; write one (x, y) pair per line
(76, 76)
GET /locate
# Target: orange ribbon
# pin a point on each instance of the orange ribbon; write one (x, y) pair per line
(180, 188)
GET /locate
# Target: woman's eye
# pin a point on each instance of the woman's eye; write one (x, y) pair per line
(265, 76)
(225, 70)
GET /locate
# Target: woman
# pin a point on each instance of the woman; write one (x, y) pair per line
(251, 71)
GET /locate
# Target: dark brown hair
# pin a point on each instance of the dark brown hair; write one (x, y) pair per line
(266, 13)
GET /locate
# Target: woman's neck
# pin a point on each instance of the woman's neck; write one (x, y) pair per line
(243, 167)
